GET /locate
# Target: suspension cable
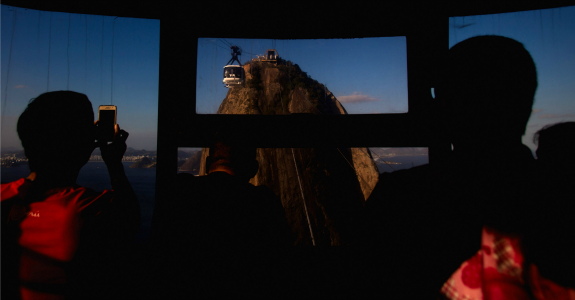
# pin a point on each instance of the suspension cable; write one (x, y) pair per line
(216, 44)
(101, 65)
(112, 80)
(9, 63)
(216, 83)
(382, 159)
(299, 180)
(303, 198)
(38, 34)
(68, 51)
(86, 55)
(303, 96)
(225, 42)
(49, 50)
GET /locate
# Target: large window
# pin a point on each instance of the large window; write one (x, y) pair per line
(367, 75)
(548, 36)
(111, 60)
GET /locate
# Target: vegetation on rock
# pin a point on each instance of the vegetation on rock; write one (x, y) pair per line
(290, 76)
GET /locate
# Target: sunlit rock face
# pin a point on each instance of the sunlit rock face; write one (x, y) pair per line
(144, 163)
(192, 164)
(335, 182)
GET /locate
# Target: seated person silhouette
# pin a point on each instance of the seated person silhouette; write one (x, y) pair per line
(224, 228)
(61, 240)
(425, 221)
(550, 243)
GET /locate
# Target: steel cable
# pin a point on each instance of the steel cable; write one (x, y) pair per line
(9, 63)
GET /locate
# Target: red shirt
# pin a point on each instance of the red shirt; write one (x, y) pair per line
(496, 272)
(50, 231)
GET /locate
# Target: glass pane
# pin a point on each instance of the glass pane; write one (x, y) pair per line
(548, 36)
(140, 168)
(329, 76)
(189, 160)
(111, 60)
(392, 159)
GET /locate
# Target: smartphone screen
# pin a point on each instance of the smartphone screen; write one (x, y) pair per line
(107, 120)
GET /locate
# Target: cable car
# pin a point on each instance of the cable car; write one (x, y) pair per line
(234, 75)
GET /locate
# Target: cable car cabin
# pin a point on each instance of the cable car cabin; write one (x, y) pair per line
(271, 56)
(234, 75)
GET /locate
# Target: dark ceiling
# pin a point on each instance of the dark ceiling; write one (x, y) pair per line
(218, 9)
(286, 20)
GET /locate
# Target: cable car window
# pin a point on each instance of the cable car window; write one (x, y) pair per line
(392, 159)
(548, 36)
(111, 60)
(306, 179)
(323, 76)
(189, 160)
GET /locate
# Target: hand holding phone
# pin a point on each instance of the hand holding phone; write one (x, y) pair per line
(113, 153)
(106, 123)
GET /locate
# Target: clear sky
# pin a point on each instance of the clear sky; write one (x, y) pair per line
(549, 35)
(83, 65)
(367, 75)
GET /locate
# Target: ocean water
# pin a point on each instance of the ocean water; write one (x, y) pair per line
(406, 162)
(94, 175)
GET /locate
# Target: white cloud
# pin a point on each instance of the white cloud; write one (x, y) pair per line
(556, 116)
(356, 98)
(19, 86)
(536, 110)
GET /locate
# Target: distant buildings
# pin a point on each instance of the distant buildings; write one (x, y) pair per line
(10, 160)
(127, 158)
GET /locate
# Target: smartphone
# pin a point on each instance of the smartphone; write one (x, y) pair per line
(106, 122)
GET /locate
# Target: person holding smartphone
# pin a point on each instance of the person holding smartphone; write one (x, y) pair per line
(61, 240)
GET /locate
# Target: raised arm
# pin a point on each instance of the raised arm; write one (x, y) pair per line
(126, 202)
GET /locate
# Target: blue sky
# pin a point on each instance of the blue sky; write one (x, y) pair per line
(89, 61)
(549, 36)
(367, 75)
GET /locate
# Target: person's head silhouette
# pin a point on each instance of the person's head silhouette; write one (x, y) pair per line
(230, 155)
(57, 132)
(488, 91)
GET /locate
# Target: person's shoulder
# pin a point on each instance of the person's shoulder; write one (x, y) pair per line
(16, 183)
(263, 190)
(186, 178)
(404, 183)
(82, 196)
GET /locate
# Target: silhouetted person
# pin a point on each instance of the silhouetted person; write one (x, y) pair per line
(556, 145)
(551, 242)
(61, 240)
(425, 221)
(224, 235)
